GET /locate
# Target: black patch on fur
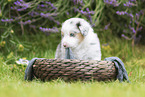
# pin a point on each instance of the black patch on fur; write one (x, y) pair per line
(78, 24)
(71, 22)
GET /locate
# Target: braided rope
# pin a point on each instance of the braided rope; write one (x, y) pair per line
(70, 69)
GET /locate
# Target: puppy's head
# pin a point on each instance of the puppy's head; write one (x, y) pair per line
(74, 31)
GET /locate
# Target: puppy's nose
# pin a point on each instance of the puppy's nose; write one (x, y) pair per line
(65, 45)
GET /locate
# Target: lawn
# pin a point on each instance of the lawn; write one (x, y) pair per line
(12, 83)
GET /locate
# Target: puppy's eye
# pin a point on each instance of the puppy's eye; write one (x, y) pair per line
(72, 35)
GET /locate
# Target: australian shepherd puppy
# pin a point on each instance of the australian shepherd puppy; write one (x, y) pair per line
(79, 37)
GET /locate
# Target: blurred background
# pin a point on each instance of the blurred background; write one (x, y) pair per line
(31, 28)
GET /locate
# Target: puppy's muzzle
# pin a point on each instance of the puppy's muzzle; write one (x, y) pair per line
(65, 45)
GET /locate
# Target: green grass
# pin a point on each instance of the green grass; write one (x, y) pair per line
(12, 83)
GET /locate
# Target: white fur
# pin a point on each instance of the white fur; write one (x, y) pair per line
(87, 49)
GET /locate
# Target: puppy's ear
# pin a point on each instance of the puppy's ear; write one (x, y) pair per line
(83, 29)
